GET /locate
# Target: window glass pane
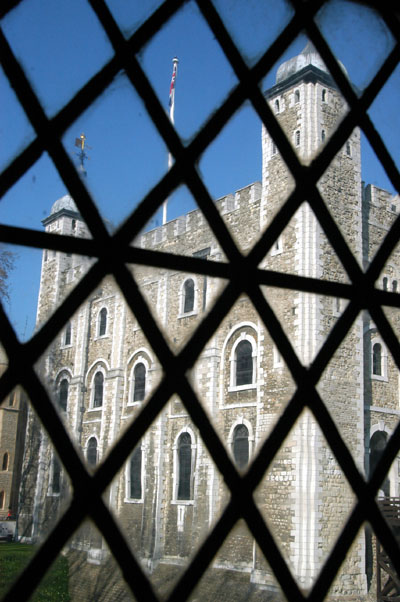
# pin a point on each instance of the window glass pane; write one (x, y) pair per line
(189, 296)
(136, 474)
(185, 466)
(98, 390)
(244, 363)
(140, 382)
(241, 446)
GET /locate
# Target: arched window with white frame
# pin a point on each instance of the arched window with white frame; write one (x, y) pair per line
(242, 360)
(102, 323)
(98, 390)
(184, 456)
(378, 359)
(139, 382)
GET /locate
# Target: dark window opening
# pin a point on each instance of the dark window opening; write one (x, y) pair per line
(103, 322)
(5, 462)
(377, 359)
(244, 363)
(241, 446)
(139, 375)
(56, 476)
(135, 470)
(63, 394)
(385, 284)
(188, 291)
(184, 466)
(98, 390)
(91, 453)
(67, 337)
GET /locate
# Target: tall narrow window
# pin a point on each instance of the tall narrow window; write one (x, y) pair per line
(297, 96)
(135, 474)
(55, 476)
(139, 375)
(184, 466)
(91, 452)
(297, 138)
(103, 322)
(323, 135)
(188, 292)
(98, 390)
(63, 394)
(323, 95)
(348, 149)
(244, 363)
(394, 286)
(5, 462)
(2, 500)
(67, 335)
(277, 106)
(240, 445)
(377, 359)
(385, 284)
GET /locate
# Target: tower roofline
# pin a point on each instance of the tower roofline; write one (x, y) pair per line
(308, 74)
(62, 212)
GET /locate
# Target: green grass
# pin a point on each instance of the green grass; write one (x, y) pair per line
(54, 585)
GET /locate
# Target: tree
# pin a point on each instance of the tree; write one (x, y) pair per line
(7, 259)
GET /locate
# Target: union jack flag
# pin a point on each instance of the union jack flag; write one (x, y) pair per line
(172, 86)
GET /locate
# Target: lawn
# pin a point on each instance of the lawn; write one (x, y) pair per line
(15, 556)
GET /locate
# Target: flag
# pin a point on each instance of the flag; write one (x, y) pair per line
(172, 86)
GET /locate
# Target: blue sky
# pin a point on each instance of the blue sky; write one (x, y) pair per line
(60, 44)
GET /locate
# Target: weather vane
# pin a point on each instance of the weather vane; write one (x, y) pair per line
(81, 144)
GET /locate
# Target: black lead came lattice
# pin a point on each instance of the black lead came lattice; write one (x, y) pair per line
(242, 272)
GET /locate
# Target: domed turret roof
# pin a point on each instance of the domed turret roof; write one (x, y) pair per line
(65, 202)
(308, 56)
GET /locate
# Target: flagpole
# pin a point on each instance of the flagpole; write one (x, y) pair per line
(172, 119)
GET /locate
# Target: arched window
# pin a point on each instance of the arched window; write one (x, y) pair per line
(6, 458)
(102, 322)
(240, 445)
(91, 452)
(184, 466)
(98, 390)
(277, 106)
(55, 476)
(2, 499)
(135, 474)
(297, 96)
(139, 375)
(188, 296)
(244, 363)
(377, 359)
(297, 138)
(63, 394)
(323, 95)
(67, 334)
(385, 284)
(394, 286)
(73, 224)
(323, 135)
(376, 448)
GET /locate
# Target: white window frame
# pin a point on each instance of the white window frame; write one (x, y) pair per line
(99, 368)
(175, 475)
(382, 377)
(248, 425)
(106, 334)
(232, 363)
(194, 311)
(141, 357)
